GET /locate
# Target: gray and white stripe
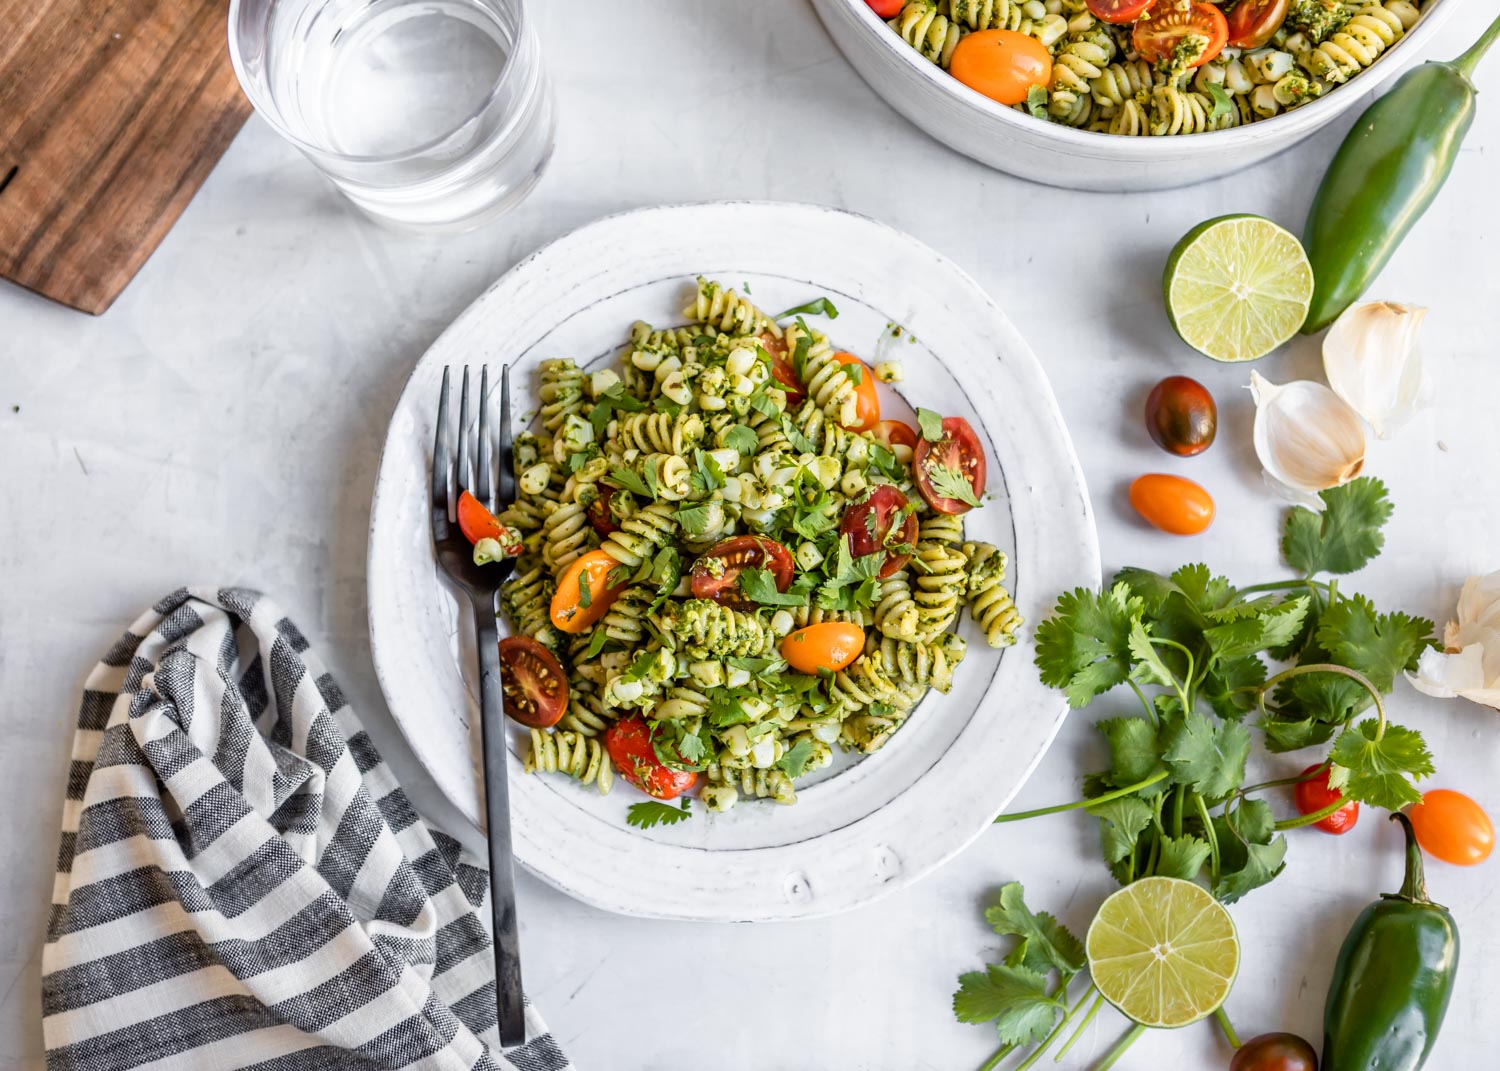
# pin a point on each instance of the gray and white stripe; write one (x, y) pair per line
(242, 884)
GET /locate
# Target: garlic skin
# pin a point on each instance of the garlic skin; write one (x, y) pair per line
(1373, 362)
(1308, 439)
(1469, 665)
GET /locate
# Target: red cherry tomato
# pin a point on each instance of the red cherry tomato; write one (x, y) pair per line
(1452, 827)
(601, 513)
(1119, 12)
(1157, 36)
(1001, 64)
(1313, 794)
(830, 646)
(946, 465)
(716, 575)
(1181, 416)
(1172, 504)
(1253, 22)
(866, 400)
(535, 686)
(628, 742)
(894, 433)
(782, 368)
(869, 528)
(478, 523)
(886, 9)
(1275, 1052)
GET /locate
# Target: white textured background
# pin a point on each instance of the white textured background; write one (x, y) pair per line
(221, 423)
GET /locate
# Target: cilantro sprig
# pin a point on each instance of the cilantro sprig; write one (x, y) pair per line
(653, 813)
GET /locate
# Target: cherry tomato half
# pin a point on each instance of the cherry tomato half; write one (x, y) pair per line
(1452, 827)
(886, 9)
(478, 523)
(1001, 64)
(571, 610)
(831, 646)
(1181, 416)
(782, 368)
(601, 512)
(869, 528)
(535, 686)
(1253, 22)
(628, 742)
(866, 400)
(894, 433)
(1172, 504)
(1275, 1052)
(1120, 12)
(1157, 36)
(716, 574)
(945, 466)
(1313, 794)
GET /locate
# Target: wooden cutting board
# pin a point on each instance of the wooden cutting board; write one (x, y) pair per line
(112, 113)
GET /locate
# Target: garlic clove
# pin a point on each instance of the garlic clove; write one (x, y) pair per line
(1307, 438)
(1373, 362)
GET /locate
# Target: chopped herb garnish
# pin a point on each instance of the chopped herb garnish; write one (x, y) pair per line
(931, 425)
(816, 307)
(653, 813)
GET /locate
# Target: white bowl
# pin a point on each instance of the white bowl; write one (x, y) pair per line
(1057, 155)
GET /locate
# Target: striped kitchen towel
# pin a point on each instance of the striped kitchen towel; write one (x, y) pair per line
(241, 882)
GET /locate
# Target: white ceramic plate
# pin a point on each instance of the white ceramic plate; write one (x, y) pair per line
(876, 824)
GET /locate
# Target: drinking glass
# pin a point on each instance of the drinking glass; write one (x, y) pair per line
(427, 114)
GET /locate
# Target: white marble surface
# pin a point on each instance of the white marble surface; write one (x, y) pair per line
(220, 423)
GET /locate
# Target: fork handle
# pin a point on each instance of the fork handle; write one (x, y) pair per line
(512, 1015)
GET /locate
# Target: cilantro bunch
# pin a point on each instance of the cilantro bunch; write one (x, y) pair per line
(1198, 655)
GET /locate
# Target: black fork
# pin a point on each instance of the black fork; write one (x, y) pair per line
(450, 477)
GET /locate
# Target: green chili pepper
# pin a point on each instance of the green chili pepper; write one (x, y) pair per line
(1393, 978)
(1385, 174)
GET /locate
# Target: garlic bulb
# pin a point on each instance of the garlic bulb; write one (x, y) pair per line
(1372, 361)
(1469, 664)
(1308, 439)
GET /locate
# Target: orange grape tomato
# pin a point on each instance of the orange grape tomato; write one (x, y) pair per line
(1157, 36)
(1452, 827)
(1001, 64)
(831, 646)
(1172, 504)
(572, 610)
(867, 402)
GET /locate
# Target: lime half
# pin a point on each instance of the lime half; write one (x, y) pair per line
(1237, 287)
(1163, 951)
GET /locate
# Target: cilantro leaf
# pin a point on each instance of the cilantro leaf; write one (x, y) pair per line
(951, 483)
(695, 520)
(1149, 669)
(794, 762)
(1036, 101)
(759, 586)
(596, 644)
(1263, 862)
(851, 586)
(1134, 754)
(1182, 857)
(1345, 536)
(1282, 735)
(1048, 943)
(742, 439)
(1014, 997)
(1121, 822)
(1265, 626)
(930, 424)
(652, 813)
(585, 597)
(630, 481)
(1222, 686)
(1377, 646)
(855, 372)
(1210, 760)
(1250, 852)
(1084, 648)
(1222, 103)
(1376, 771)
(819, 306)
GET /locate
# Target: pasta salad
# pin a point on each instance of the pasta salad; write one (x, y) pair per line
(1151, 67)
(729, 564)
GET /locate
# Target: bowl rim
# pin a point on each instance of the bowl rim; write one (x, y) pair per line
(1290, 124)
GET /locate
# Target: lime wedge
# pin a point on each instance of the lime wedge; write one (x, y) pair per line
(1163, 951)
(1237, 287)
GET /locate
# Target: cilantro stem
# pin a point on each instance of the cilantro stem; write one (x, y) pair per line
(1078, 805)
(1000, 1054)
(1082, 1026)
(1191, 665)
(1225, 1025)
(1057, 1030)
(1284, 585)
(1298, 779)
(1118, 1051)
(1213, 837)
(1150, 710)
(1177, 795)
(1314, 818)
(1330, 667)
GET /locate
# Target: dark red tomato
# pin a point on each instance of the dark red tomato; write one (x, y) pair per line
(1157, 36)
(894, 433)
(945, 468)
(782, 368)
(1253, 22)
(536, 689)
(1181, 416)
(1313, 795)
(716, 575)
(1275, 1052)
(600, 514)
(628, 742)
(1120, 12)
(872, 526)
(886, 9)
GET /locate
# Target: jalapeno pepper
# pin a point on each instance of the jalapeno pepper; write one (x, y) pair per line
(1393, 978)
(1385, 174)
